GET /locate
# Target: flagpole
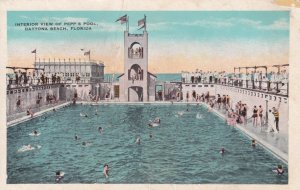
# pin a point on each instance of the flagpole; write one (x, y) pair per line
(127, 24)
(35, 56)
(145, 23)
(89, 55)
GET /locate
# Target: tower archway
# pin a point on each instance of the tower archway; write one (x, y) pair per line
(135, 51)
(135, 72)
(135, 94)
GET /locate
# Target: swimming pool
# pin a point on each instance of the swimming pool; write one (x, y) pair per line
(184, 148)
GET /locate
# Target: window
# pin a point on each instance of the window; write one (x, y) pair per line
(135, 51)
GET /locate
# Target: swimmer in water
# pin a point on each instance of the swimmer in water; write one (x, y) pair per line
(253, 143)
(54, 109)
(58, 176)
(222, 151)
(157, 120)
(84, 143)
(76, 137)
(138, 141)
(83, 115)
(35, 133)
(150, 136)
(105, 170)
(279, 170)
(100, 129)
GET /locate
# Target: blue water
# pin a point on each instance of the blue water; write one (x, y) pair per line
(183, 149)
(171, 77)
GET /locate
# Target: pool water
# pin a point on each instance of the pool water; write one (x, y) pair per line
(184, 148)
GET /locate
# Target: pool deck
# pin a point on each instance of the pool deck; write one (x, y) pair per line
(277, 144)
(36, 114)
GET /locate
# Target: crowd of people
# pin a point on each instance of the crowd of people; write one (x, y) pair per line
(273, 81)
(22, 79)
(240, 113)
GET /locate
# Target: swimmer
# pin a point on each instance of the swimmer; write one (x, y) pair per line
(34, 133)
(154, 123)
(253, 143)
(96, 112)
(180, 113)
(157, 120)
(150, 135)
(100, 129)
(105, 170)
(279, 170)
(138, 141)
(199, 116)
(84, 143)
(76, 137)
(59, 175)
(54, 110)
(222, 151)
(83, 115)
(26, 148)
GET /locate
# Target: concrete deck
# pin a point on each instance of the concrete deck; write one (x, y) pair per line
(36, 114)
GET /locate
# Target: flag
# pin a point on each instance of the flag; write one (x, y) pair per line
(141, 22)
(142, 27)
(87, 53)
(123, 19)
(34, 51)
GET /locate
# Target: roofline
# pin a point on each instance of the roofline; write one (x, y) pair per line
(152, 74)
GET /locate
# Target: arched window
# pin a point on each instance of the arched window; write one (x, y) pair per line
(135, 73)
(135, 51)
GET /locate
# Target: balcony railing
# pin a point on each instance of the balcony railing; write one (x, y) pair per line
(135, 54)
(280, 88)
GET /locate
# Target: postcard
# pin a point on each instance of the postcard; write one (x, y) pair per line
(150, 98)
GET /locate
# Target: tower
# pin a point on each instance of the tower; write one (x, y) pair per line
(136, 84)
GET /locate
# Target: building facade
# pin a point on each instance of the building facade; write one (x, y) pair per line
(73, 71)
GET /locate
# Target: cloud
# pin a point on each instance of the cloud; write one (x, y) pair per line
(65, 19)
(24, 17)
(280, 24)
(108, 27)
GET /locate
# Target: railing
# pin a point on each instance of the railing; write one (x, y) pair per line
(281, 88)
(135, 55)
(12, 84)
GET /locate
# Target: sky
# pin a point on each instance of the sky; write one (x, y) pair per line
(178, 40)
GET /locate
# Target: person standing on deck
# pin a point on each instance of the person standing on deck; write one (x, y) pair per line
(276, 115)
(260, 114)
(271, 123)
